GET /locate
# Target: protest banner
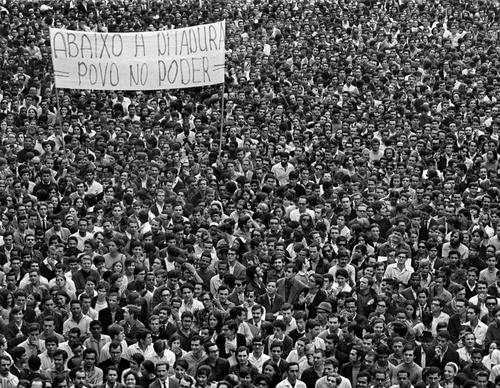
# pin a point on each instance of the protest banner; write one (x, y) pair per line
(171, 59)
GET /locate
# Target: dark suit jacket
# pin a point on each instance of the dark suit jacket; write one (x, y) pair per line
(29, 315)
(80, 279)
(172, 383)
(309, 377)
(418, 357)
(155, 209)
(219, 371)
(320, 297)
(221, 344)
(124, 364)
(46, 272)
(295, 289)
(38, 224)
(287, 346)
(106, 318)
(449, 356)
(233, 298)
(16, 372)
(11, 331)
(407, 293)
(263, 300)
(342, 358)
(454, 327)
(346, 370)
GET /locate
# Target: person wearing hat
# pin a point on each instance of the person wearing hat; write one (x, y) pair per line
(322, 313)
(423, 352)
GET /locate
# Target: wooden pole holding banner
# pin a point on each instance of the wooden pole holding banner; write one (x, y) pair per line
(221, 120)
(60, 121)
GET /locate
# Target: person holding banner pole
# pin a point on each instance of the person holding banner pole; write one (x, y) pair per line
(221, 121)
(60, 121)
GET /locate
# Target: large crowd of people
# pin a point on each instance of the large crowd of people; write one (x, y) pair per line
(328, 219)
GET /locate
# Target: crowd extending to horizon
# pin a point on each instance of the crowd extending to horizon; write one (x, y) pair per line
(328, 219)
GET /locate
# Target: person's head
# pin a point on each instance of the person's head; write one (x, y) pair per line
(187, 382)
(356, 355)
(474, 355)
(115, 350)
(242, 355)
(130, 379)
(212, 350)
(78, 376)
(60, 382)
(292, 372)
(4, 365)
(76, 308)
(203, 375)
(161, 370)
(442, 339)
(60, 357)
(482, 379)
(403, 377)
(89, 357)
(318, 358)
(229, 329)
(364, 378)
(111, 374)
(408, 354)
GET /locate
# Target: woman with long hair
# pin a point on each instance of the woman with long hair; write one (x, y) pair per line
(81, 208)
(6, 303)
(215, 321)
(272, 372)
(411, 312)
(114, 255)
(239, 247)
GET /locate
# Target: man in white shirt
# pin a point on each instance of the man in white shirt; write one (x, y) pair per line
(93, 187)
(292, 380)
(399, 270)
(283, 169)
(438, 315)
(160, 353)
(302, 209)
(257, 358)
(188, 302)
(479, 329)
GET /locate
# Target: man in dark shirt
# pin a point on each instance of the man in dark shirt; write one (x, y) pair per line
(220, 366)
(116, 359)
